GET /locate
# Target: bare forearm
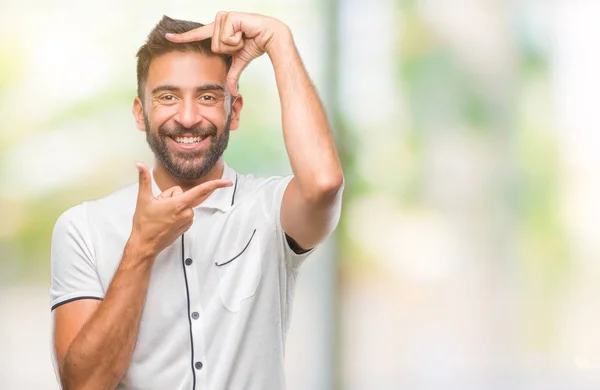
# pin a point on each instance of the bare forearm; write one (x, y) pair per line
(101, 353)
(306, 131)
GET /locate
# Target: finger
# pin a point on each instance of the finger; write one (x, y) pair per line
(232, 26)
(171, 192)
(231, 33)
(226, 48)
(165, 194)
(197, 34)
(237, 67)
(216, 37)
(177, 191)
(145, 183)
(186, 227)
(193, 196)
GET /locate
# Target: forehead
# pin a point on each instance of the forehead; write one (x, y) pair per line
(186, 70)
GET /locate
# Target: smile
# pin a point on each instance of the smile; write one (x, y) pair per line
(189, 143)
(188, 140)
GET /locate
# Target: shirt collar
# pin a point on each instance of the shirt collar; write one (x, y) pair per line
(220, 199)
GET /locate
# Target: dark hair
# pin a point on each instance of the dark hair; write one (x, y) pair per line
(156, 44)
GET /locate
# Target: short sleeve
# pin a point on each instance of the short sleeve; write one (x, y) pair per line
(72, 266)
(292, 258)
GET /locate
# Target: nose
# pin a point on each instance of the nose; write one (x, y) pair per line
(188, 114)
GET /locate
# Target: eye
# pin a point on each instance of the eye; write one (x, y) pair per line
(207, 98)
(167, 98)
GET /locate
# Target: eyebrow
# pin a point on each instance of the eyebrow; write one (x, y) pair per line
(201, 88)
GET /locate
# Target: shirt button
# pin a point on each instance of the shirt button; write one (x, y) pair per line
(198, 365)
(195, 315)
(188, 261)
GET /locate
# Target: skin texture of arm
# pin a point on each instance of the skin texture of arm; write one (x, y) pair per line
(94, 340)
(312, 201)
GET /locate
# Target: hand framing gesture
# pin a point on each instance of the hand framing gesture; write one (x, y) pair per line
(244, 36)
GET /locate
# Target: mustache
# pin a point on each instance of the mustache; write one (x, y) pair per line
(194, 131)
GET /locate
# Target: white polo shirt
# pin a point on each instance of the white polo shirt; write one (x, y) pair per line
(220, 297)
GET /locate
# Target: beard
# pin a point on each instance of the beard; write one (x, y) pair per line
(187, 164)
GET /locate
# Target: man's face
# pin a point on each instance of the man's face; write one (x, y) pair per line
(187, 112)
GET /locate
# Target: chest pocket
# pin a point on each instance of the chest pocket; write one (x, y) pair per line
(239, 267)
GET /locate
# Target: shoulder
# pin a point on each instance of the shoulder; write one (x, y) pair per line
(73, 217)
(251, 188)
(118, 203)
(259, 198)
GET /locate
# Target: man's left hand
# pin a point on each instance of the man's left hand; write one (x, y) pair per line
(244, 36)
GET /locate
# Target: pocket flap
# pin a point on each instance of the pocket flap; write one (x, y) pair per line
(239, 254)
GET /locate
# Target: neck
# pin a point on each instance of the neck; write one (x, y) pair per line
(165, 180)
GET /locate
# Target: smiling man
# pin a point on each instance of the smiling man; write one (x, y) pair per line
(186, 279)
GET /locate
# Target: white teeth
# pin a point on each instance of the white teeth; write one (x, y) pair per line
(188, 140)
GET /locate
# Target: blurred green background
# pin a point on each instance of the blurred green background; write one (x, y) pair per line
(468, 253)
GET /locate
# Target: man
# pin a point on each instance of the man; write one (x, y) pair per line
(185, 280)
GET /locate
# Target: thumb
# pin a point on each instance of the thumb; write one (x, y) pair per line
(177, 191)
(237, 67)
(145, 183)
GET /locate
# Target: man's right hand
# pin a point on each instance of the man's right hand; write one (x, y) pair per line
(94, 340)
(158, 221)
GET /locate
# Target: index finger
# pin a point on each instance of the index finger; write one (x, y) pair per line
(192, 196)
(197, 34)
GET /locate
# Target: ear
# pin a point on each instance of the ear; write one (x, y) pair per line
(236, 109)
(138, 114)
